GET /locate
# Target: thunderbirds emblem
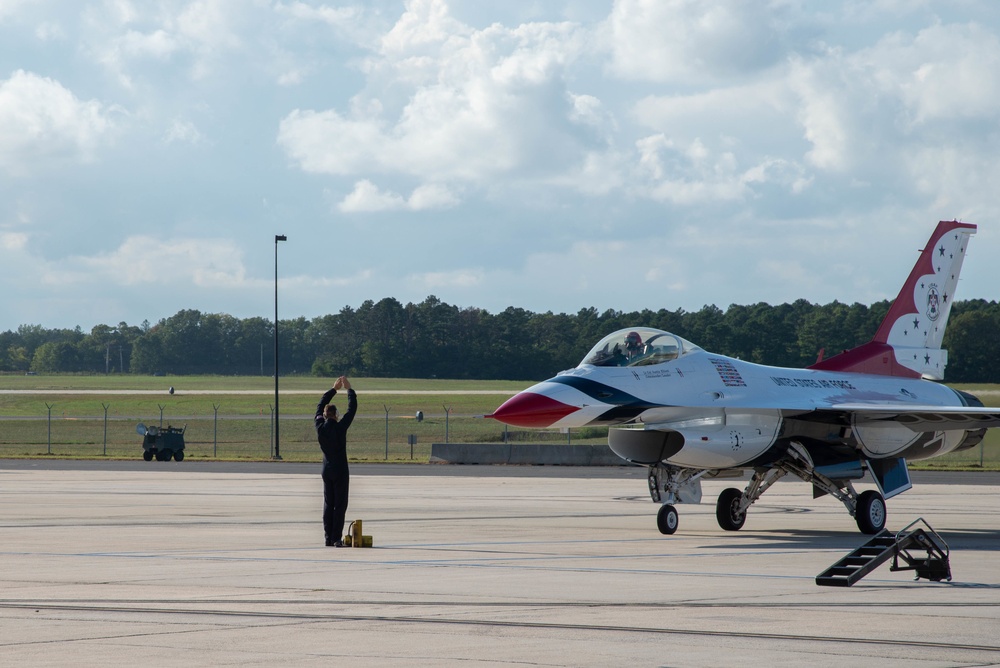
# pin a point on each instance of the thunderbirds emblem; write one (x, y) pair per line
(933, 303)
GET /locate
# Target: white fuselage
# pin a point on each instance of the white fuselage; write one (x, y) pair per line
(730, 412)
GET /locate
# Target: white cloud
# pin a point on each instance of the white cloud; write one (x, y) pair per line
(291, 77)
(690, 174)
(691, 41)
(158, 44)
(42, 122)
(431, 196)
(866, 110)
(946, 73)
(145, 277)
(333, 16)
(827, 114)
(50, 32)
(10, 8)
(425, 23)
(587, 110)
(207, 25)
(346, 27)
(206, 263)
(851, 117)
(754, 113)
(181, 131)
(480, 105)
(121, 35)
(366, 197)
(326, 143)
(13, 241)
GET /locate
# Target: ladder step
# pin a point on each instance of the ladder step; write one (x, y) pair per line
(859, 562)
(854, 561)
(866, 554)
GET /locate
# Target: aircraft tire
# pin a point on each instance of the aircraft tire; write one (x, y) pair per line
(870, 514)
(179, 455)
(726, 510)
(666, 519)
(147, 455)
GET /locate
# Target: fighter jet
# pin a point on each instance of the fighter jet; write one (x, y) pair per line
(688, 414)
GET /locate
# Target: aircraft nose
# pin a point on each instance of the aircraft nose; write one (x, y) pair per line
(528, 409)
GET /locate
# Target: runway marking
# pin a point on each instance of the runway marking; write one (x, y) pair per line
(489, 623)
(513, 562)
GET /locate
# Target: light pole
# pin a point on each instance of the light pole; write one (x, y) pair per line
(277, 446)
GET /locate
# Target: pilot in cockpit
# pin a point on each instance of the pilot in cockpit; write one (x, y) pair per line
(633, 346)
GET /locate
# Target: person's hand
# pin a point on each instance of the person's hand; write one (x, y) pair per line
(346, 383)
(339, 383)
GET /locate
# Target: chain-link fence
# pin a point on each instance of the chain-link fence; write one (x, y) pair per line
(372, 437)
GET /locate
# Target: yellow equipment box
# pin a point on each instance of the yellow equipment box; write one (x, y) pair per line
(355, 538)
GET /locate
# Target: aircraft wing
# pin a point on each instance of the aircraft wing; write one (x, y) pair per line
(919, 418)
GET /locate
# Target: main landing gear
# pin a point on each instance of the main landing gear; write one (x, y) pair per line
(729, 510)
(870, 512)
(670, 485)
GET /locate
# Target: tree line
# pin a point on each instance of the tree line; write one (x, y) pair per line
(436, 339)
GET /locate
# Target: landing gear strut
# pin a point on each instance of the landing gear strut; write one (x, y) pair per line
(669, 485)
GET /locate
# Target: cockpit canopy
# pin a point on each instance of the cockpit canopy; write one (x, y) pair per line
(638, 346)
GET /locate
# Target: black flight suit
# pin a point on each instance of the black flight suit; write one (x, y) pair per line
(332, 435)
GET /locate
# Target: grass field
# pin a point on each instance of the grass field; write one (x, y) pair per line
(229, 423)
(64, 416)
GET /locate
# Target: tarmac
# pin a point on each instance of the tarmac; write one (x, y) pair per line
(180, 564)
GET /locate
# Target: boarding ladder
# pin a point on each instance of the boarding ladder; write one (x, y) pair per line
(884, 546)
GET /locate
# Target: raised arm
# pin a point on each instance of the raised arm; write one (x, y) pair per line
(352, 404)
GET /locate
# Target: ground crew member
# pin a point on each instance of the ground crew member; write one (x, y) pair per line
(331, 431)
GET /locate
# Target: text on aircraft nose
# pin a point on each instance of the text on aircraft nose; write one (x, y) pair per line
(528, 409)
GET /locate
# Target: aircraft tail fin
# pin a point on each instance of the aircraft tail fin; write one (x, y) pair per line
(908, 342)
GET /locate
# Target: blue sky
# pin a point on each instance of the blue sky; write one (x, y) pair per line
(545, 155)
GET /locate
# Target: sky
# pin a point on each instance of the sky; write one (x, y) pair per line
(547, 155)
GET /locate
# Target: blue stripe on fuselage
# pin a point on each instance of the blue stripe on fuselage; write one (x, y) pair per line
(626, 406)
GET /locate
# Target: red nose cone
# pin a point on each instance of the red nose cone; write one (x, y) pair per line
(528, 409)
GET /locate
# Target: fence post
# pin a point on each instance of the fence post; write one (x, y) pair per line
(215, 432)
(271, 406)
(106, 406)
(386, 431)
(49, 406)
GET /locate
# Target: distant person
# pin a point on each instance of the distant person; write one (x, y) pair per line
(331, 431)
